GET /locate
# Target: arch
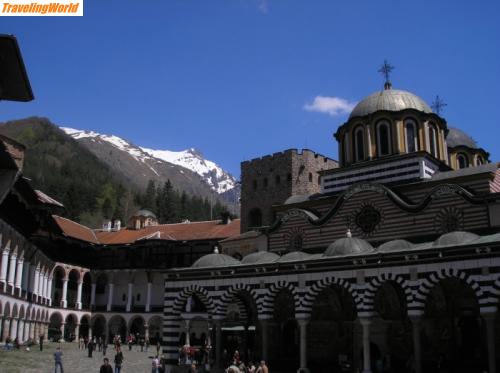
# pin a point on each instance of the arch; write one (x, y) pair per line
(58, 276)
(84, 325)
(38, 315)
(15, 310)
(202, 295)
(86, 290)
(255, 217)
(462, 160)
(359, 143)
(375, 284)
(383, 138)
(155, 324)
(99, 326)
(433, 279)
(57, 268)
(136, 326)
(317, 287)
(70, 325)
(479, 160)
(117, 326)
(6, 310)
(54, 330)
(74, 277)
(411, 135)
(33, 314)
(22, 312)
(227, 297)
(267, 306)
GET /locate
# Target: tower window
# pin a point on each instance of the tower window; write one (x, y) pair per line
(433, 140)
(255, 217)
(411, 136)
(359, 144)
(319, 180)
(463, 161)
(289, 177)
(265, 182)
(277, 179)
(255, 185)
(479, 160)
(310, 177)
(383, 139)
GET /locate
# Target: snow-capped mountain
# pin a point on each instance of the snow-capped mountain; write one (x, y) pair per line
(157, 161)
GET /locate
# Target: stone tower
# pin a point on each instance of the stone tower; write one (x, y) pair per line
(272, 179)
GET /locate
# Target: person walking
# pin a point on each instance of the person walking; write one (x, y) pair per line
(158, 347)
(90, 347)
(104, 347)
(40, 338)
(106, 366)
(58, 360)
(155, 365)
(118, 360)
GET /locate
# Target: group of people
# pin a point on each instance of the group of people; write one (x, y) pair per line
(238, 366)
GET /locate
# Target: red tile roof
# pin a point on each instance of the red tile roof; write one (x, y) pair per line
(75, 230)
(203, 230)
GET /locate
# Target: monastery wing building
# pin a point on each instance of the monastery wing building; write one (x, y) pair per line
(385, 260)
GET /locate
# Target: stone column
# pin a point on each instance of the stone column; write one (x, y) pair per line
(12, 271)
(6, 328)
(62, 331)
(45, 286)
(303, 343)
(13, 328)
(90, 331)
(79, 295)
(77, 332)
(146, 331)
(264, 326)
(489, 318)
(130, 296)
(92, 295)
(218, 343)
(188, 338)
(49, 290)
(417, 348)
(19, 275)
(110, 296)
(148, 297)
(365, 323)
(36, 279)
(26, 330)
(64, 299)
(5, 265)
(31, 331)
(40, 286)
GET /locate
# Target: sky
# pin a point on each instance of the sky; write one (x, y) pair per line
(239, 79)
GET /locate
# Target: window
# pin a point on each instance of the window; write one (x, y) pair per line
(138, 297)
(479, 160)
(411, 136)
(124, 297)
(463, 161)
(359, 144)
(383, 139)
(433, 140)
(277, 179)
(265, 182)
(255, 185)
(310, 177)
(255, 218)
(289, 177)
(319, 180)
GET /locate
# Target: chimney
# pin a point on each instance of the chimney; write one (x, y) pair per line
(117, 225)
(106, 226)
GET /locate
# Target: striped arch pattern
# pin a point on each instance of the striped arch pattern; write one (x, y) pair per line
(434, 278)
(274, 289)
(172, 320)
(374, 285)
(228, 295)
(495, 294)
(305, 308)
(200, 292)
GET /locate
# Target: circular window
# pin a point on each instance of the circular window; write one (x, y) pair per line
(367, 219)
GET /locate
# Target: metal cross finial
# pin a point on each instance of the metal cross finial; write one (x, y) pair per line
(385, 70)
(438, 104)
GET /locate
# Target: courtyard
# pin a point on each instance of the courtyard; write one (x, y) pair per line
(74, 360)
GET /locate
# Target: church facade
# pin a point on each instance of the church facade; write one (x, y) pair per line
(385, 260)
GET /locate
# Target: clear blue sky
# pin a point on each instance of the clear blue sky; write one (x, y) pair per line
(232, 77)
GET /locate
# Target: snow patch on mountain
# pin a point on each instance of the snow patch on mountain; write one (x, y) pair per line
(218, 179)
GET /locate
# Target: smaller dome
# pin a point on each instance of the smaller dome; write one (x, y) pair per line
(144, 212)
(260, 257)
(395, 245)
(455, 238)
(215, 260)
(348, 246)
(456, 137)
(293, 256)
(298, 198)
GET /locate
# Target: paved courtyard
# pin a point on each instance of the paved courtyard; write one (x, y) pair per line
(74, 360)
